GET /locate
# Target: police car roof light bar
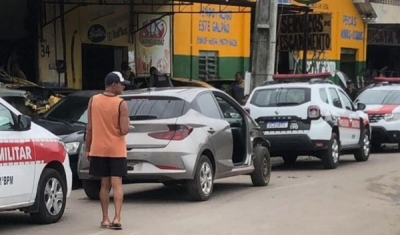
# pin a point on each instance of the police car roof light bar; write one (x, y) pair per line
(308, 76)
(388, 80)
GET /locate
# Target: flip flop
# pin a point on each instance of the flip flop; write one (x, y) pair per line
(115, 226)
(102, 225)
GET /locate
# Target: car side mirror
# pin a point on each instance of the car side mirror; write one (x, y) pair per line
(360, 106)
(23, 123)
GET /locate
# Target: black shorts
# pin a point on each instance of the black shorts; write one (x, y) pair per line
(108, 166)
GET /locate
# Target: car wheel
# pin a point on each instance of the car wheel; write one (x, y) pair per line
(92, 189)
(201, 187)
(362, 154)
(52, 193)
(262, 167)
(330, 157)
(289, 159)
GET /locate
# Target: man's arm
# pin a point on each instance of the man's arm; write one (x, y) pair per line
(88, 133)
(124, 118)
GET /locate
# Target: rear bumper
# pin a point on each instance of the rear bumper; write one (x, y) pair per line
(151, 165)
(299, 144)
(381, 135)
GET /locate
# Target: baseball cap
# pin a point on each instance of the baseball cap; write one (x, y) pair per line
(115, 77)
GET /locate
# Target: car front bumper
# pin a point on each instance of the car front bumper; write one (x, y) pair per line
(382, 135)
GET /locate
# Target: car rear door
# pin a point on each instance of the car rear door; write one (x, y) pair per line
(17, 160)
(342, 115)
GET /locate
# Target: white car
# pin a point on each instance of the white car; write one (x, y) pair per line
(314, 118)
(383, 108)
(35, 175)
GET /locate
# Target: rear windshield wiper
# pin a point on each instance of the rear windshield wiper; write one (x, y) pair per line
(287, 103)
(142, 117)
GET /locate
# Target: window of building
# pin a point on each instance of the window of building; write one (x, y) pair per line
(208, 65)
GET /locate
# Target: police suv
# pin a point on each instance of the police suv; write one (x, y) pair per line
(35, 175)
(383, 108)
(310, 116)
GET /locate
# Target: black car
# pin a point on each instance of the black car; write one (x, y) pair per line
(67, 119)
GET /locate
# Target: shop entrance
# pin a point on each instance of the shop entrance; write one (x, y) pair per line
(97, 62)
(348, 63)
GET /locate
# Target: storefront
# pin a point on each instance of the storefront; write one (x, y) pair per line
(98, 39)
(212, 43)
(336, 41)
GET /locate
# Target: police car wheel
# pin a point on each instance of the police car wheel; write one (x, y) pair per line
(331, 156)
(362, 154)
(52, 192)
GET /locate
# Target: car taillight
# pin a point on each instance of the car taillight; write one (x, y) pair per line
(314, 112)
(247, 110)
(175, 132)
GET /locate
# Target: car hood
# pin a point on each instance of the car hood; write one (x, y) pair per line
(59, 128)
(381, 109)
(73, 137)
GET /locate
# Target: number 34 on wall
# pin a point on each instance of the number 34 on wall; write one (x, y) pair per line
(44, 50)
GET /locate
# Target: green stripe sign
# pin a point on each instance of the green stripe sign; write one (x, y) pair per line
(307, 1)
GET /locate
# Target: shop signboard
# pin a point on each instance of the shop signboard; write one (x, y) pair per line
(153, 44)
(292, 28)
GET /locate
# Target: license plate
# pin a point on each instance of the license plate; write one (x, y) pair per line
(277, 125)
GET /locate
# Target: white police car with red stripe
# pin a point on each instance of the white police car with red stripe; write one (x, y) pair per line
(309, 115)
(382, 102)
(35, 176)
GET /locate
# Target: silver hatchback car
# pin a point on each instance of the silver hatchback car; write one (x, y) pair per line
(188, 136)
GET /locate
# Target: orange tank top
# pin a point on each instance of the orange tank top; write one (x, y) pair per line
(107, 140)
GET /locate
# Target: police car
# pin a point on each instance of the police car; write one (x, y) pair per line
(383, 108)
(35, 176)
(309, 115)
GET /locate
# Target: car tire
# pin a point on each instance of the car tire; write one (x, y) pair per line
(289, 159)
(52, 187)
(92, 188)
(262, 167)
(197, 190)
(331, 156)
(362, 154)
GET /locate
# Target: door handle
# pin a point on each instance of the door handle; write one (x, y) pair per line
(211, 131)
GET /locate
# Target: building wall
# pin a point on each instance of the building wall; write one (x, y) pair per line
(348, 32)
(228, 34)
(93, 24)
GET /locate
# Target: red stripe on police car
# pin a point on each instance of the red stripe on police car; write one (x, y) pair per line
(352, 123)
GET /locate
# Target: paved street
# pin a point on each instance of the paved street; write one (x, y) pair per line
(356, 198)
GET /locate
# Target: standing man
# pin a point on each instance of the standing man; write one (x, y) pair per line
(351, 90)
(108, 123)
(237, 89)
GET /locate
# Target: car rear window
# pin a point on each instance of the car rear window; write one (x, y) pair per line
(274, 97)
(154, 107)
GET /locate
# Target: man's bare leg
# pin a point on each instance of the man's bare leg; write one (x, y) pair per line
(105, 198)
(116, 183)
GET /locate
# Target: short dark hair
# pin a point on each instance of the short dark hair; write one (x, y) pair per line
(238, 73)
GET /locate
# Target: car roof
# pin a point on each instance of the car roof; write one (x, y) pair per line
(295, 85)
(188, 93)
(11, 92)
(385, 88)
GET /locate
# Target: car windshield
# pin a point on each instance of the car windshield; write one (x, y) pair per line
(281, 97)
(371, 97)
(72, 109)
(19, 102)
(151, 107)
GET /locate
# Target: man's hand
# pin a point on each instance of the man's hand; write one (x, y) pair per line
(87, 156)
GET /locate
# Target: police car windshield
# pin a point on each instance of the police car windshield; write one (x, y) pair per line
(19, 102)
(370, 97)
(72, 109)
(281, 97)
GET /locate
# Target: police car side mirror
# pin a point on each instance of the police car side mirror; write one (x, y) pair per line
(361, 106)
(23, 123)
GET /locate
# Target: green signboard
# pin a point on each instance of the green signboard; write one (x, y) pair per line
(307, 2)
